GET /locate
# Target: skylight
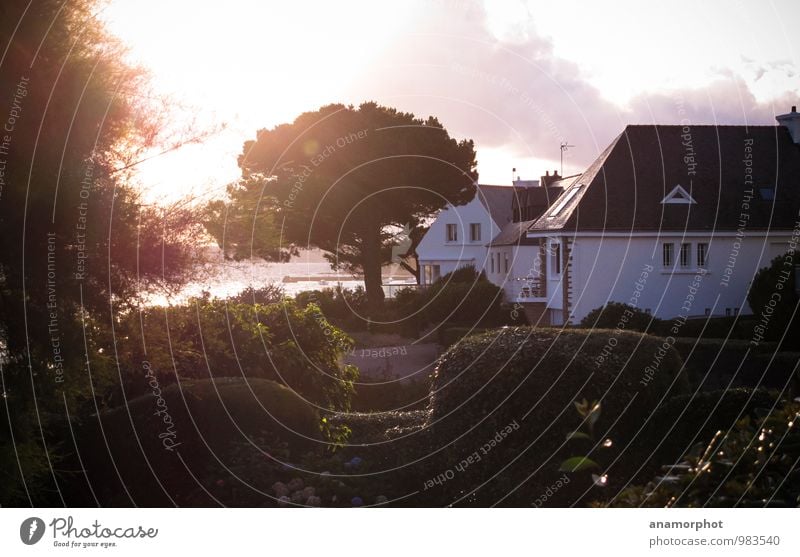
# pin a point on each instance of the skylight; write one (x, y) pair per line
(563, 203)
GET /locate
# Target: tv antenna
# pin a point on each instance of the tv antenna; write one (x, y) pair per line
(564, 147)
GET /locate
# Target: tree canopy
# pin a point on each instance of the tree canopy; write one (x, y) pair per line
(345, 180)
(78, 243)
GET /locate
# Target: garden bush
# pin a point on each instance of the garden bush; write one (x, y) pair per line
(623, 316)
(532, 377)
(154, 449)
(295, 346)
(774, 300)
(713, 364)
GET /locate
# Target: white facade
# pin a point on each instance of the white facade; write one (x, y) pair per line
(457, 238)
(699, 275)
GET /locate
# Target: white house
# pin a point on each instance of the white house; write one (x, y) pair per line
(674, 220)
(459, 235)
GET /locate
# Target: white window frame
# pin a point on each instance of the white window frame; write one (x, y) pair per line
(685, 255)
(701, 254)
(668, 255)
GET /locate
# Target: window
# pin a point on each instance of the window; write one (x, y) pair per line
(736, 311)
(767, 194)
(708, 312)
(727, 312)
(505, 262)
(431, 273)
(475, 232)
(491, 256)
(452, 233)
(555, 257)
(702, 254)
(566, 199)
(686, 254)
(648, 311)
(668, 255)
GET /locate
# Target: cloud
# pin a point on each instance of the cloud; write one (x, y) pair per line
(514, 92)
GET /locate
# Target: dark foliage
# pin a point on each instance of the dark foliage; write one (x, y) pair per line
(532, 377)
(343, 179)
(775, 303)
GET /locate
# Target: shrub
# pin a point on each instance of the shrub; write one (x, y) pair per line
(615, 315)
(773, 298)
(714, 364)
(180, 430)
(532, 377)
(207, 337)
(752, 464)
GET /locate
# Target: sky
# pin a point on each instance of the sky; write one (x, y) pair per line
(519, 77)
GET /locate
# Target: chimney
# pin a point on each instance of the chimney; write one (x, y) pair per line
(548, 179)
(791, 122)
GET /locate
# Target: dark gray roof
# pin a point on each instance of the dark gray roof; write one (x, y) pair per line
(498, 201)
(512, 233)
(622, 190)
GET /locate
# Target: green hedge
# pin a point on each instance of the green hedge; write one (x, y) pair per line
(494, 379)
(712, 363)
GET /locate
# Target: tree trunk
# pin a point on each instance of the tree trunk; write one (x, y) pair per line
(372, 267)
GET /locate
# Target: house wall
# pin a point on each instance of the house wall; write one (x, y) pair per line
(434, 249)
(630, 270)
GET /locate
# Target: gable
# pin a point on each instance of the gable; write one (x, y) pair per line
(678, 196)
(462, 216)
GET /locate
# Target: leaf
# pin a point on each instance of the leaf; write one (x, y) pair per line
(577, 463)
(594, 414)
(577, 435)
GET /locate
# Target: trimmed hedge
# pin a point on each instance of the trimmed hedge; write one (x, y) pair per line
(491, 380)
(194, 417)
(717, 360)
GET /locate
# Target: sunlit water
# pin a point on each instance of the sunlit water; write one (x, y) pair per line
(308, 272)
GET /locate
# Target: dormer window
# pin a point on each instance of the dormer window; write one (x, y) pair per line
(678, 196)
(563, 203)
